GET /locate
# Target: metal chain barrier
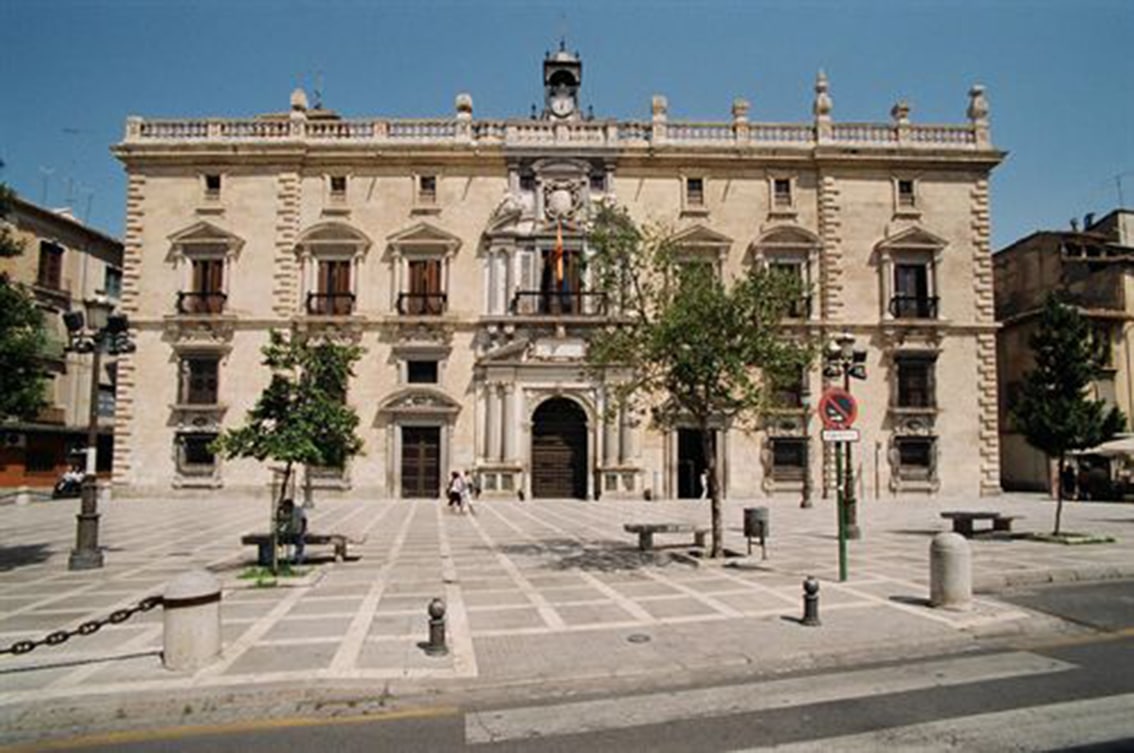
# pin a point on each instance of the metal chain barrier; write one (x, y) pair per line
(87, 628)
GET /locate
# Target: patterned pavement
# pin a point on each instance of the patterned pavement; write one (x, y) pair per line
(535, 591)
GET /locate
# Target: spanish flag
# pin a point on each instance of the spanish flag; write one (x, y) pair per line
(557, 255)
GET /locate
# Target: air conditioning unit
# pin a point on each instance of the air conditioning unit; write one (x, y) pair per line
(14, 439)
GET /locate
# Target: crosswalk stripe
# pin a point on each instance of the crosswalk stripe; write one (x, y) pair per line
(589, 716)
(1055, 726)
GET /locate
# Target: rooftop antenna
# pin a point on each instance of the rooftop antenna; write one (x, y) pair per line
(563, 31)
(89, 193)
(47, 172)
(317, 93)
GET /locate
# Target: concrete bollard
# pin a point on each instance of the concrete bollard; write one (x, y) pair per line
(192, 637)
(950, 572)
(23, 495)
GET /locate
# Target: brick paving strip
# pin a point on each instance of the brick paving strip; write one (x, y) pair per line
(536, 592)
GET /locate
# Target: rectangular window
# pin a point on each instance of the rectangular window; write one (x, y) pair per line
(598, 182)
(50, 266)
(207, 295)
(915, 458)
(906, 197)
(338, 186)
(199, 376)
(787, 392)
(915, 382)
(212, 185)
(333, 296)
(194, 458)
(911, 292)
(789, 458)
(106, 401)
(561, 285)
(781, 193)
(427, 189)
(796, 270)
(421, 372)
(112, 282)
(425, 296)
(695, 192)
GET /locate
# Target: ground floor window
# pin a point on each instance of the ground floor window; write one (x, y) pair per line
(194, 456)
(916, 458)
(789, 458)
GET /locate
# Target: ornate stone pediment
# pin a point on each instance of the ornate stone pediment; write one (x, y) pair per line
(789, 238)
(419, 401)
(699, 235)
(915, 239)
(200, 330)
(424, 236)
(204, 236)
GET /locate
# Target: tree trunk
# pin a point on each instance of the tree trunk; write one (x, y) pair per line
(1059, 493)
(276, 505)
(708, 450)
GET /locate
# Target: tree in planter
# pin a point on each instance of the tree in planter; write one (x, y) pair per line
(23, 339)
(1053, 411)
(701, 350)
(301, 417)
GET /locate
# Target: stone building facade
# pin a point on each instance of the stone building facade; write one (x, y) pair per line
(64, 263)
(429, 242)
(1091, 268)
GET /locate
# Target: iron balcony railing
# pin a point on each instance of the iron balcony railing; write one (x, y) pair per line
(422, 304)
(193, 302)
(565, 303)
(913, 307)
(330, 304)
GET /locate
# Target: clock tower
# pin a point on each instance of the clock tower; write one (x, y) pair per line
(562, 74)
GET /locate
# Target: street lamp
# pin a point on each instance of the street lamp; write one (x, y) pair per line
(805, 401)
(843, 359)
(100, 331)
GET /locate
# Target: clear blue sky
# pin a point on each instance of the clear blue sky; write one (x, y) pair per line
(1060, 75)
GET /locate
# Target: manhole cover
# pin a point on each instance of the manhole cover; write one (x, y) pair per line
(638, 638)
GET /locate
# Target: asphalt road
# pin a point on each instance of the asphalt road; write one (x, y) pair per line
(1077, 694)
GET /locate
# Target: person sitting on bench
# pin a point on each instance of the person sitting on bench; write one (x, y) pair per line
(292, 527)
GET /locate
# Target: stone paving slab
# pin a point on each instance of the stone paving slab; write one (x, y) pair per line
(536, 590)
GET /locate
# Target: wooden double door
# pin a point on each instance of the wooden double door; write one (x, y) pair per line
(421, 462)
(559, 450)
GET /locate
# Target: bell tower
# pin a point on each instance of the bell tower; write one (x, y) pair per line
(562, 75)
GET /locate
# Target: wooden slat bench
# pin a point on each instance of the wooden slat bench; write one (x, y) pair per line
(646, 532)
(264, 542)
(963, 522)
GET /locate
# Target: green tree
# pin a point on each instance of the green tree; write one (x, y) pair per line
(23, 341)
(700, 350)
(302, 416)
(1053, 411)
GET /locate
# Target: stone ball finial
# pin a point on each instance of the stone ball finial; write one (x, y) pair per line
(740, 108)
(659, 105)
(299, 100)
(900, 112)
(823, 104)
(978, 104)
(463, 103)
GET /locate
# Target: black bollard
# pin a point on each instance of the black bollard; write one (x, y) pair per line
(436, 645)
(810, 602)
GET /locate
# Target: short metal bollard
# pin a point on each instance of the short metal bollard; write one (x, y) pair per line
(950, 572)
(192, 621)
(436, 645)
(810, 602)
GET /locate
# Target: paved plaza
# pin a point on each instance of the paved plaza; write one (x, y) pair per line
(538, 592)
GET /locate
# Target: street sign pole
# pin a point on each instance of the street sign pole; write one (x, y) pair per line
(841, 508)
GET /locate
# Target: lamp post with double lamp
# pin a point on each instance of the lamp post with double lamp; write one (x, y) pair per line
(99, 332)
(805, 403)
(843, 359)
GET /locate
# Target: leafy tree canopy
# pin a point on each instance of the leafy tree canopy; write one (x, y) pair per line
(1054, 412)
(9, 246)
(23, 342)
(697, 348)
(301, 416)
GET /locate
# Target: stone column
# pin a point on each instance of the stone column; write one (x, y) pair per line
(508, 424)
(609, 439)
(492, 417)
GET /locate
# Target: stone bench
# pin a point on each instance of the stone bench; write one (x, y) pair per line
(646, 532)
(264, 542)
(963, 522)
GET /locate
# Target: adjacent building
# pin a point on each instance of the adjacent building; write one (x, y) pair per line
(429, 242)
(64, 263)
(1091, 268)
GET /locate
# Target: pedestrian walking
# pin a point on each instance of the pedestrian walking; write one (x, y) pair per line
(456, 491)
(705, 484)
(472, 489)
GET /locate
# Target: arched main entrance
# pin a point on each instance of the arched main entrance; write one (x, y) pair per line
(559, 450)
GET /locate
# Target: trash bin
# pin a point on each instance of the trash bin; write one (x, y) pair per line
(756, 522)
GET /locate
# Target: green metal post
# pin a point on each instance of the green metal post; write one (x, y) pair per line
(840, 503)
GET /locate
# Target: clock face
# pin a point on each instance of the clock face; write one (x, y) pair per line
(562, 105)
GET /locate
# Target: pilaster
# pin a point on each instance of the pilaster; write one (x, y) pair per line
(127, 369)
(285, 292)
(830, 227)
(987, 402)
